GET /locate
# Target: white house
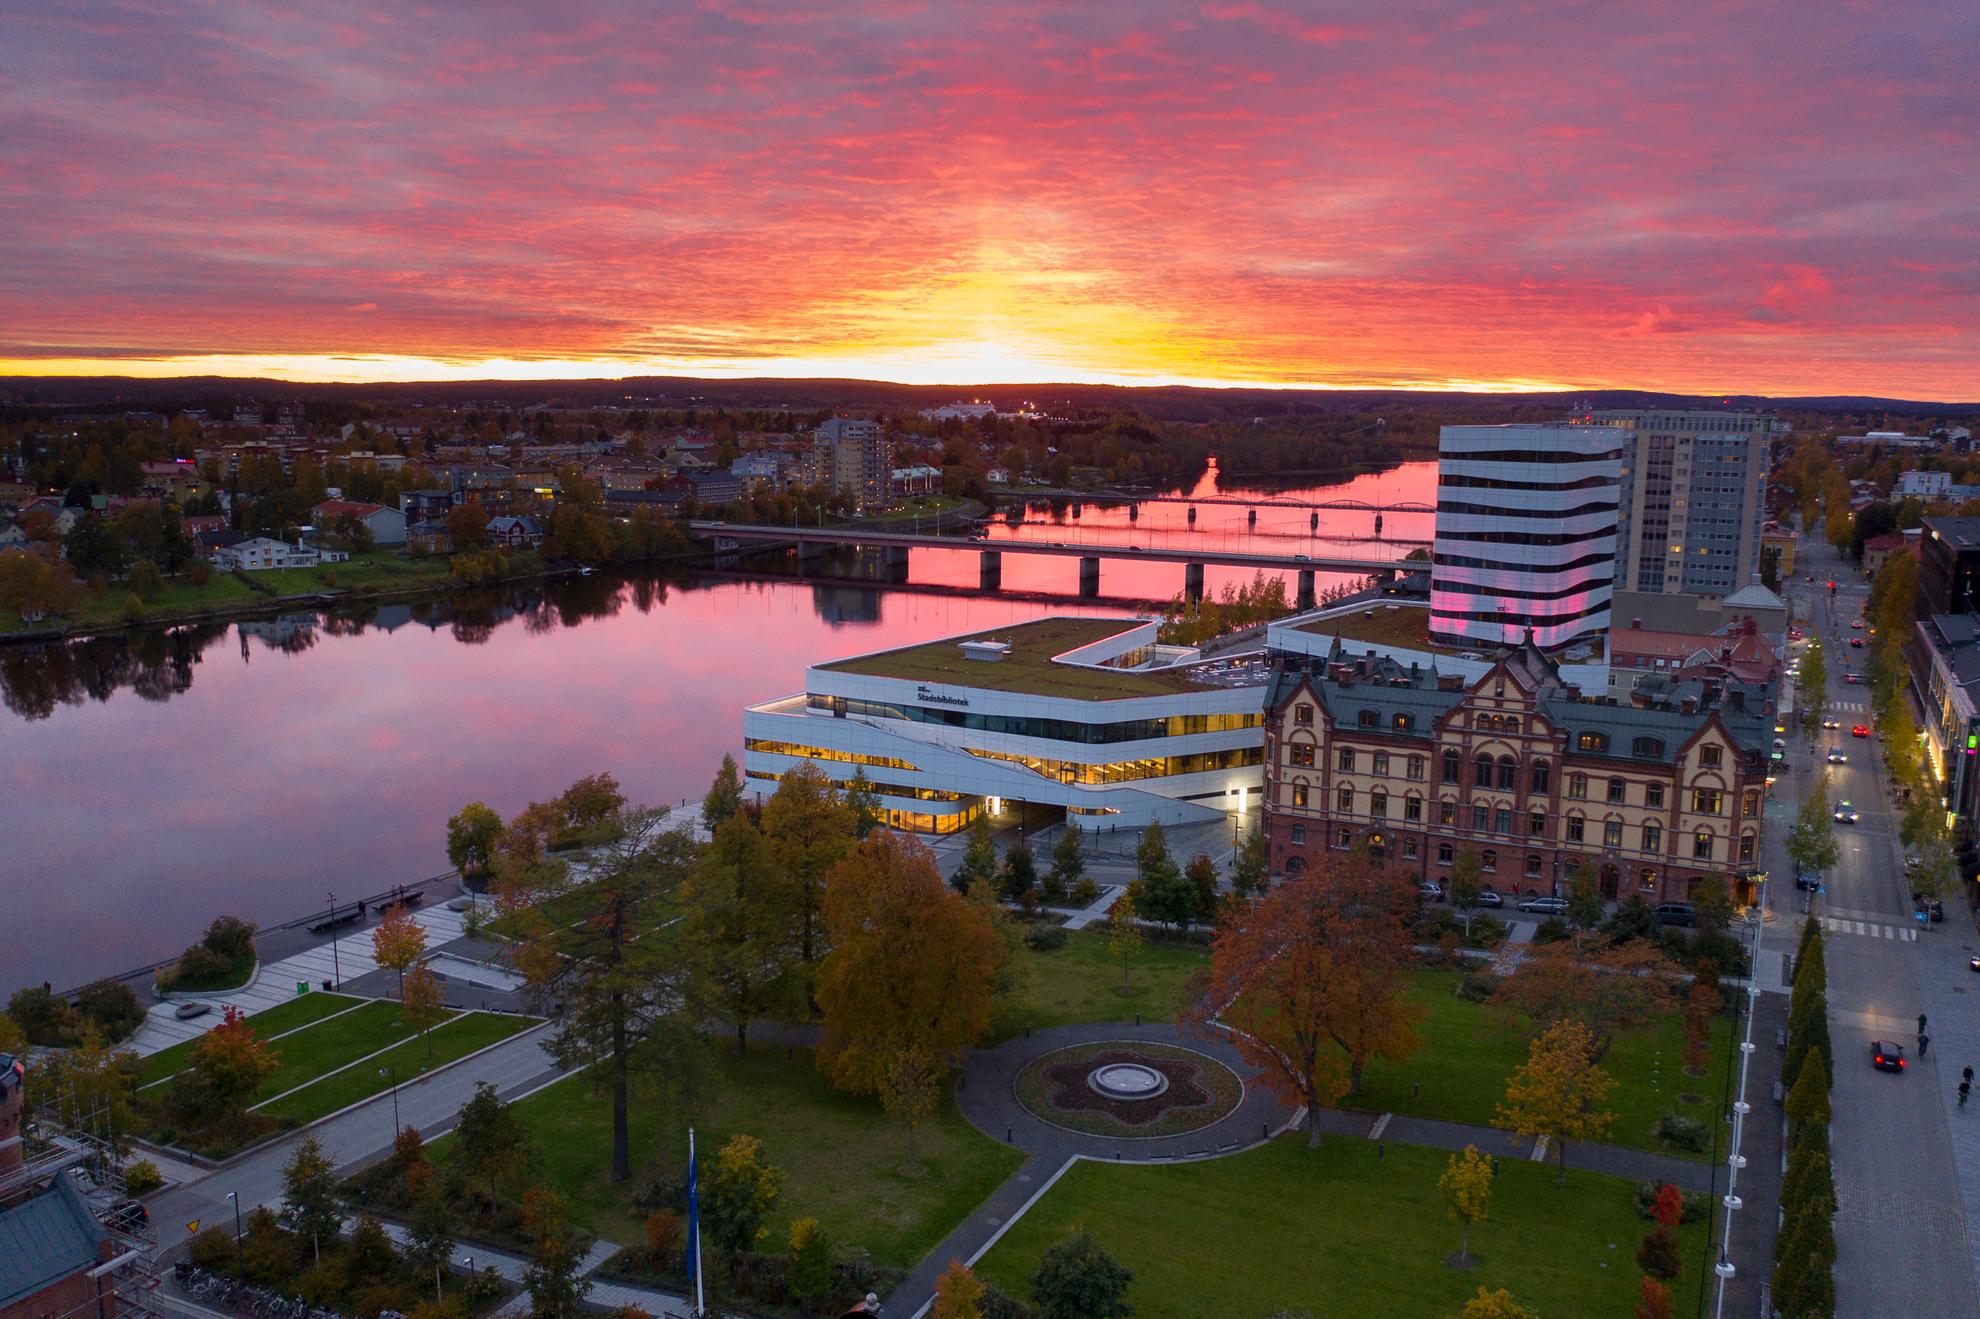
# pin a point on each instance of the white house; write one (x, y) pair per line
(387, 525)
(262, 553)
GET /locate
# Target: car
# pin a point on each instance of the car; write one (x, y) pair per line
(1856, 622)
(1886, 1057)
(1836, 757)
(1780, 744)
(1934, 909)
(126, 1216)
(1861, 730)
(187, 1011)
(1545, 906)
(1832, 723)
(1675, 913)
(1846, 814)
(1856, 643)
(1431, 890)
(1490, 898)
(1302, 558)
(1973, 963)
(1852, 678)
(1808, 880)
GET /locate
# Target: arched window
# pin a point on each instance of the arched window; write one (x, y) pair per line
(1366, 719)
(1508, 772)
(1344, 801)
(1618, 791)
(1450, 767)
(1593, 742)
(1481, 771)
(1532, 863)
(1540, 776)
(1647, 748)
(1416, 768)
(1402, 721)
(1378, 803)
(1488, 861)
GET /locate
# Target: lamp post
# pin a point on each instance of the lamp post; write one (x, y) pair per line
(234, 1196)
(336, 967)
(1735, 1160)
(393, 1072)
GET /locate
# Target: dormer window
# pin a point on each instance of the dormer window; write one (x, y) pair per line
(1402, 721)
(1366, 719)
(1593, 742)
(1649, 748)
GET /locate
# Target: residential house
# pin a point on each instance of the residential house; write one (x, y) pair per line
(386, 525)
(1879, 550)
(177, 481)
(513, 532)
(920, 479)
(261, 553)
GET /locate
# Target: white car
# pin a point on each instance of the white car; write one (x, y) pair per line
(1838, 758)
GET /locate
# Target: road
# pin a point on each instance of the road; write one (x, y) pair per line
(1902, 1240)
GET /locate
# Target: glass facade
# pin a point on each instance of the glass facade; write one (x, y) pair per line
(1128, 771)
(1056, 730)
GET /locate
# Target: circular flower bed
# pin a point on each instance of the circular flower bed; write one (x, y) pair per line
(1195, 1090)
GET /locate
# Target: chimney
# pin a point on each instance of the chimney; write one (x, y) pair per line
(13, 1099)
(1690, 705)
(1636, 624)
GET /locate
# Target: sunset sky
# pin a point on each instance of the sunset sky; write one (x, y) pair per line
(1697, 196)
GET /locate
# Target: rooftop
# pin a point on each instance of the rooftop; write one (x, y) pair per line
(1031, 665)
(1408, 626)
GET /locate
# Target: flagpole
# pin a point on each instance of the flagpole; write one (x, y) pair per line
(694, 1225)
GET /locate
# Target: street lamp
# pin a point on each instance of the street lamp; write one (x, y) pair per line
(235, 1197)
(393, 1072)
(1735, 1160)
(336, 967)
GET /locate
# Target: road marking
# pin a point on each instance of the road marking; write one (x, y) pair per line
(1870, 929)
(1381, 1125)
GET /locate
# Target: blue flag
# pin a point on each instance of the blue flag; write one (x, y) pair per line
(694, 1224)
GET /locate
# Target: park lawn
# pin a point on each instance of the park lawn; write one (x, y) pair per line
(841, 1155)
(180, 598)
(1341, 1232)
(329, 1045)
(292, 1015)
(450, 1042)
(1470, 1050)
(1081, 982)
(371, 570)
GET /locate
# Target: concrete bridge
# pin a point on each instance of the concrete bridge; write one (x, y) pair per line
(810, 541)
(1312, 508)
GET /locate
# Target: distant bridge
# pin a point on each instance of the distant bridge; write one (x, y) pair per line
(810, 541)
(1237, 501)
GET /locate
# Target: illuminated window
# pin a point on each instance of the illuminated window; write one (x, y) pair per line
(1701, 845)
(1299, 794)
(1577, 786)
(1706, 801)
(1612, 833)
(1488, 861)
(1382, 763)
(1415, 770)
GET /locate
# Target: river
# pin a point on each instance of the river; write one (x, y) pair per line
(155, 781)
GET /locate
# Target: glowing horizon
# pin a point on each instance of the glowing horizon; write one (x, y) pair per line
(1457, 198)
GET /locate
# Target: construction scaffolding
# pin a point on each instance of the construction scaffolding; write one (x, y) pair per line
(71, 1147)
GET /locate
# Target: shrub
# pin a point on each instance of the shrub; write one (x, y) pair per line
(1487, 932)
(143, 1177)
(1045, 938)
(1551, 930)
(1657, 1254)
(133, 609)
(1695, 1203)
(1682, 1133)
(230, 936)
(212, 1249)
(113, 1007)
(663, 1235)
(199, 572)
(42, 1017)
(1478, 987)
(1086, 892)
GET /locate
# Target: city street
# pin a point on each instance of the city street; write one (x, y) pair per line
(1902, 1240)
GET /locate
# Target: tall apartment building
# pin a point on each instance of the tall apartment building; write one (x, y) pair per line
(1526, 533)
(849, 456)
(1693, 499)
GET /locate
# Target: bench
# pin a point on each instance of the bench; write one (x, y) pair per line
(1780, 1093)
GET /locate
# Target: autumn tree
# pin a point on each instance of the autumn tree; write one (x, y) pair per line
(1584, 898)
(741, 1190)
(958, 1295)
(1464, 886)
(1311, 980)
(1557, 1092)
(810, 831)
(310, 1199)
(228, 1065)
(1653, 1300)
(725, 795)
(1467, 1188)
(398, 941)
(913, 964)
(808, 1263)
(739, 940)
(1606, 990)
(1201, 875)
(606, 962)
(1123, 934)
(471, 836)
(423, 1002)
(1700, 1003)
(554, 1276)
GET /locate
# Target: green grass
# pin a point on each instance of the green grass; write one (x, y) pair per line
(324, 1048)
(450, 1042)
(1470, 1049)
(1339, 1232)
(1082, 982)
(296, 1013)
(842, 1156)
(1028, 668)
(179, 599)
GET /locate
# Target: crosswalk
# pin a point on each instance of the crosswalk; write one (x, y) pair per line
(1870, 929)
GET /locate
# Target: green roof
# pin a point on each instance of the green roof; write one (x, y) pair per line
(1030, 666)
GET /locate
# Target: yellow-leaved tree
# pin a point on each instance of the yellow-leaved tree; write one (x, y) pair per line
(1558, 1092)
(1467, 1188)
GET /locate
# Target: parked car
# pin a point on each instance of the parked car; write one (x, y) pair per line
(1932, 907)
(187, 1011)
(1886, 1057)
(1846, 813)
(1431, 890)
(1490, 898)
(1808, 880)
(1545, 906)
(1676, 913)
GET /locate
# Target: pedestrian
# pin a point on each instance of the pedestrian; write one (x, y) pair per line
(1966, 1074)
(1921, 1023)
(1964, 1086)
(1924, 1043)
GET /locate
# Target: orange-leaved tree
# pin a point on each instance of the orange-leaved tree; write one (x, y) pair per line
(809, 830)
(913, 964)
(1607, 990)
(1556, 1093)
(1311, 981)
(423, 1002)
(958, 1295)
(397, 941)
(228, 1066)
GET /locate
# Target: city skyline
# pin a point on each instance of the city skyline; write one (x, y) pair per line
(1454, 197)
